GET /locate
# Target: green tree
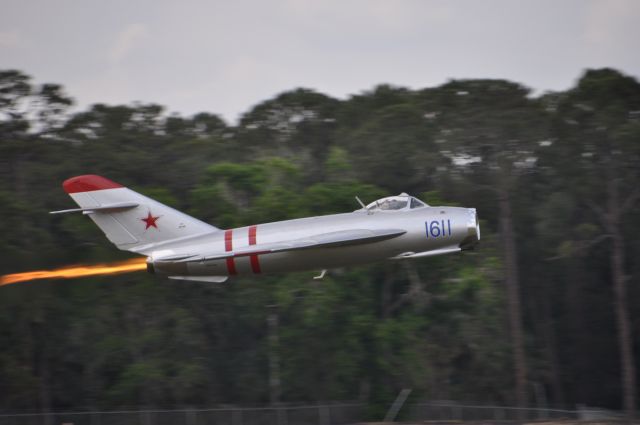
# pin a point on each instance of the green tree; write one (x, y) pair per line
(490, 129)
(597, 133)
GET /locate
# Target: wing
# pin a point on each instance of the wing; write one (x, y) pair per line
(322, 240)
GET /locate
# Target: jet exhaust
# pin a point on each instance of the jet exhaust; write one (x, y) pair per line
(72, 272)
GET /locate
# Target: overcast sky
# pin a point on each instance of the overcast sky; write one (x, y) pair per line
(224, 57)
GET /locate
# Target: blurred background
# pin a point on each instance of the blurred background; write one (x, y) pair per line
(540, 134)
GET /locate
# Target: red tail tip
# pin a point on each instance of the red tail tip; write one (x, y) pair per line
(88, 183)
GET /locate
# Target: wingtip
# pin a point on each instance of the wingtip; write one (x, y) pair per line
(88, 183)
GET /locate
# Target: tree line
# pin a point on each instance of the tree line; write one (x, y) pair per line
(541, 313)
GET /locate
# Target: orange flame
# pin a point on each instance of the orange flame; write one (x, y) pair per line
(126, 266)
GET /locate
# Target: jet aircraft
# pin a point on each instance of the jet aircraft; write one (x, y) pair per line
(181, 247)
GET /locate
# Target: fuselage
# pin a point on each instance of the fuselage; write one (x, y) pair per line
(182, 247)
(427, 230)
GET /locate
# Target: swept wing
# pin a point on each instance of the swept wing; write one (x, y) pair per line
(321, 240)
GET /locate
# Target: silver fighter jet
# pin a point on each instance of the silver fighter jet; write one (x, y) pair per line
(181, 247)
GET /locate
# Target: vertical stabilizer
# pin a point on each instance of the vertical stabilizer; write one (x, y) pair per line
(132, 221)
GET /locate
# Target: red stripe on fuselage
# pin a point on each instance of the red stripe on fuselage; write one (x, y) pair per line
(255, 260)
(255, 264)
(228, 240)
(231, 266)
(228, 246)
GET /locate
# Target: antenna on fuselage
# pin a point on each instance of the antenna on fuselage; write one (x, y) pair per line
(360, 202)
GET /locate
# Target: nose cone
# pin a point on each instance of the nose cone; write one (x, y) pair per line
(473, 230)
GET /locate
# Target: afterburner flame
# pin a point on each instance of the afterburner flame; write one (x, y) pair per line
(71, 272)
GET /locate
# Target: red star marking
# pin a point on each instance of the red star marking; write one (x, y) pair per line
(150, 221)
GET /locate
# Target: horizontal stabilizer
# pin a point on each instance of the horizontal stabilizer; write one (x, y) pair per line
(323, 240)
(432, 253)
(108, 207)
(213, 279)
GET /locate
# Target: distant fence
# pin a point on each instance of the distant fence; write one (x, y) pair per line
(455, 411)
(452, 411)
(329, 414)
(324, 414)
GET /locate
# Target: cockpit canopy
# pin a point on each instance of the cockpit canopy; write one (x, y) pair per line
(396, 203)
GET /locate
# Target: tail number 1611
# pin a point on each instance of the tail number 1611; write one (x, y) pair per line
(438, 229)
